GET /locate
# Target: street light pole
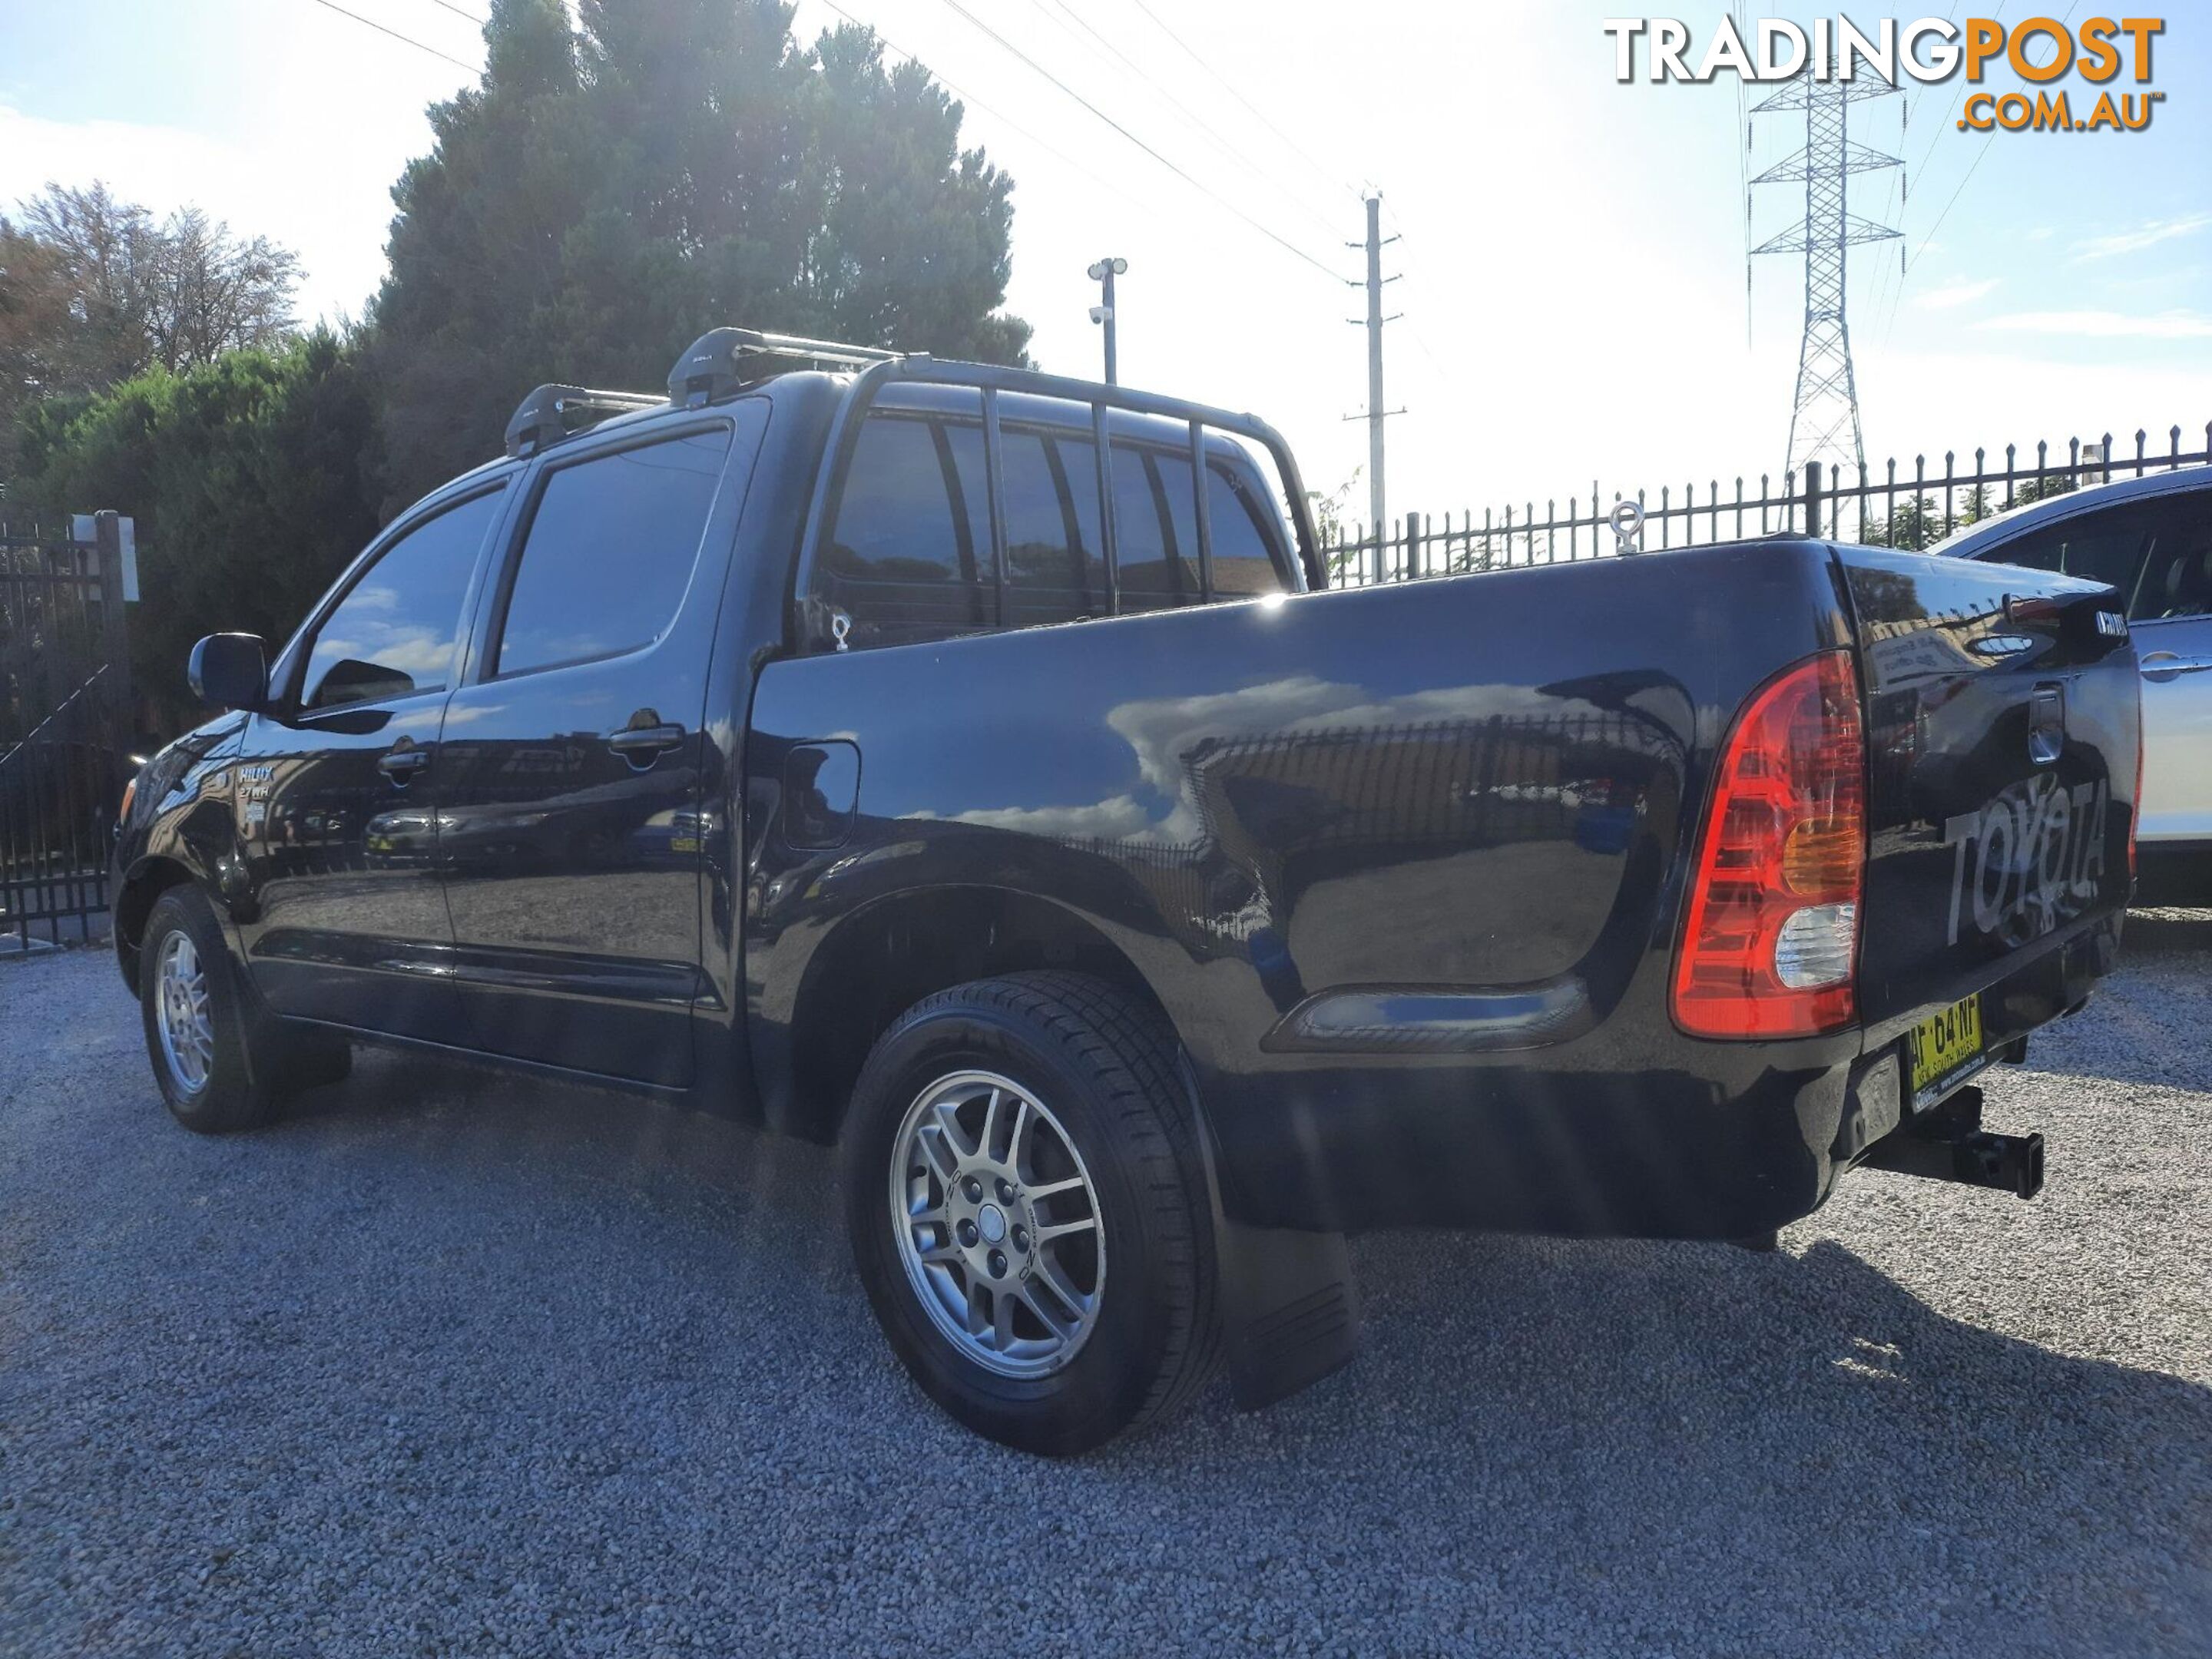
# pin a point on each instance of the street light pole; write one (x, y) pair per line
(1103, 274)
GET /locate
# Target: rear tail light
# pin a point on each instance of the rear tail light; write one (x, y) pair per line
(1770, 944)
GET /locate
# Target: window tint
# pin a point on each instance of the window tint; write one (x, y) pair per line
(611, 550)
(1055, 562)
(2040, 551)
(906, 559)
(908, 555)
(392, 634)
(2177, 578)
(2098, 547)
(1155, 529)
(1244, 543)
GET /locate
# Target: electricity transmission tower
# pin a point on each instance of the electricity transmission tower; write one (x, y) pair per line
(1824, 423)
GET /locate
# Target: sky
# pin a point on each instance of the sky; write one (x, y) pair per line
(1571, 250)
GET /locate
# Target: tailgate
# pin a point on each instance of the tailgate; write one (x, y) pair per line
(2001, 742)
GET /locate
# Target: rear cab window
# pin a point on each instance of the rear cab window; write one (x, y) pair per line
(908, 555)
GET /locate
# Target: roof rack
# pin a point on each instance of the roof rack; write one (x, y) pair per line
(554, 412)
(721, 360)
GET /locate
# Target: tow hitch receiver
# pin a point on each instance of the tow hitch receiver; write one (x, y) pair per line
(1949, 1143)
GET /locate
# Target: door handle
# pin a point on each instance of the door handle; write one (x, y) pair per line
(402, 764)
(641, 745)
(2163, 665)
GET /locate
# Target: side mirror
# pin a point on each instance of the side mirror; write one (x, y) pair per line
(230, 671)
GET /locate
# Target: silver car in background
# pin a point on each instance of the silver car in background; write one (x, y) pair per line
(2151, 538)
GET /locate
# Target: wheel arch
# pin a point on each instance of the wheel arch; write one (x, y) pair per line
(882, 959)
(135, 897)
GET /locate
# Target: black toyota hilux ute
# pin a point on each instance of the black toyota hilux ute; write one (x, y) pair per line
(957, 765)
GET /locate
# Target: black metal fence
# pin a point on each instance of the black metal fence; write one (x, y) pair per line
(1913, 505)
(64, 729)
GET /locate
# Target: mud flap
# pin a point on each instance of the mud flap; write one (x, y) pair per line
(1290, 1307)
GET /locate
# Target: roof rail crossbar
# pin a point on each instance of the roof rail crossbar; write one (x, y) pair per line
(721, 360)
(554, 412)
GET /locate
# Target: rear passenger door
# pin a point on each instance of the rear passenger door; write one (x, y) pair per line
(571, 787)
(2171, 618)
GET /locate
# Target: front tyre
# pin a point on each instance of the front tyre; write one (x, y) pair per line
(211, 1073)
(1028, 1208)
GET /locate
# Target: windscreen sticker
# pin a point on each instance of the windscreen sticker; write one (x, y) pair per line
(2029, 859)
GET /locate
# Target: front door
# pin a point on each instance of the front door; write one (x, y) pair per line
(341, 912)
(569, 799)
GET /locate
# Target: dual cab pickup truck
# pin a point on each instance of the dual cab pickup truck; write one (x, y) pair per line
(961, 764)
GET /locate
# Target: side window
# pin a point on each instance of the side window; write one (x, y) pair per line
(1055, 559)
(2177, 578)
(1246, 562)
(903, 558)
(392, 635)
(611, 546)
(1155, 529)
(2098, 547)
(909, 553)
(2041, 550)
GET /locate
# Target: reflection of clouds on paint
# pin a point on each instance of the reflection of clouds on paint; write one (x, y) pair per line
(1162, 731)
(411, 650)
(1107, 820)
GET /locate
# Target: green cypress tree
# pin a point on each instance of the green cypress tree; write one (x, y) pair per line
(604, 196)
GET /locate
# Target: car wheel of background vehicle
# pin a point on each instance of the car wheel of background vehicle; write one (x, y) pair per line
(1028, 1208)
(197, 1027)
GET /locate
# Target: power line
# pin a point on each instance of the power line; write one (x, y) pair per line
(1223, 81)
(458, 12)
(1398, 231)
(1979, 155)
(405, 40)
(965, 98)
(1181, 173)
(1150, 82)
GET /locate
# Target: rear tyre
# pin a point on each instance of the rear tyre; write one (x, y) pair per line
(1028, 1208)
(215, 1070)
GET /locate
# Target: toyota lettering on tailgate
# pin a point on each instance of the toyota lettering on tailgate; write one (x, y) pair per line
(2036, 853)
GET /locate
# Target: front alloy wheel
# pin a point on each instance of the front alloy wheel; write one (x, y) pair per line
(185, 1024)
(998, 1224)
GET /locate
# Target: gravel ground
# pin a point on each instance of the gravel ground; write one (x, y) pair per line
(455, 1363)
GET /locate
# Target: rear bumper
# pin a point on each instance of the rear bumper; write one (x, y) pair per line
(1608, 1135)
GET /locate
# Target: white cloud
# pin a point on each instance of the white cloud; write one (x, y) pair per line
(1952, 294)
(2149, 234)
(2105, 325)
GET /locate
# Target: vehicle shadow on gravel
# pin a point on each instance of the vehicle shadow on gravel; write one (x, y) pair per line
(1724, 1452)
(1688, 1428)
(2146, 1025)
(2165, 932)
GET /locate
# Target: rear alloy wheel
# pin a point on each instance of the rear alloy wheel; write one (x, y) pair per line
(1029, 1210)
(998, 1224)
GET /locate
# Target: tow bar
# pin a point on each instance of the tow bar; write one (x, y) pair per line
(1947, 1143)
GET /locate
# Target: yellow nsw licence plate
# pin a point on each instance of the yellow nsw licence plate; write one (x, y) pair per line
(1941, 1046)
